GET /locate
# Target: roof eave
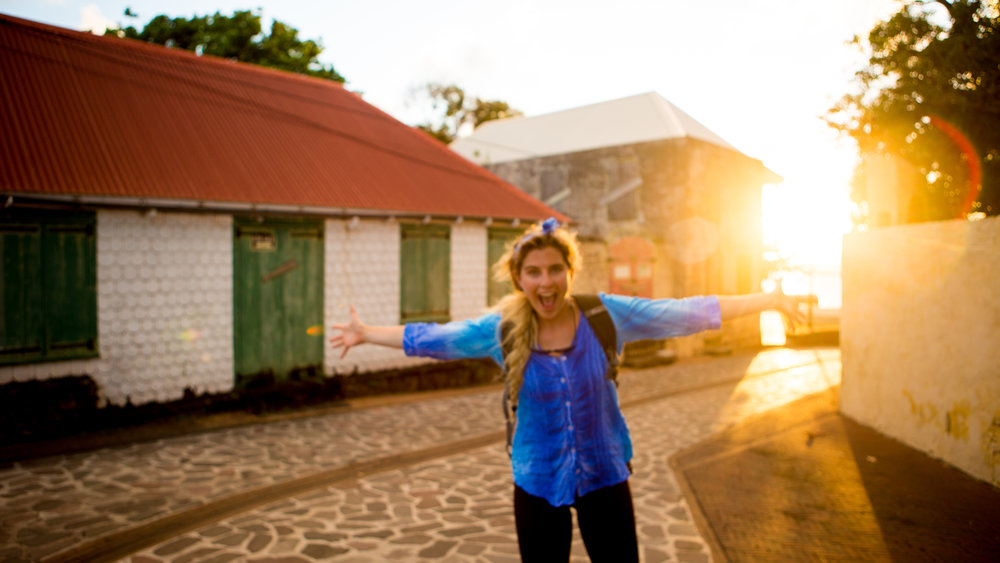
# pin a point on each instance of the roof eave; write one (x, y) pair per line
(7, 199)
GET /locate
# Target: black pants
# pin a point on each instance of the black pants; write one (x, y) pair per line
(605, 517)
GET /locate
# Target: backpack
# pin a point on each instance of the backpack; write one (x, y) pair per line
(600, 322)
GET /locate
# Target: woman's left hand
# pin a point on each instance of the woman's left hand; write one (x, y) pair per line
(788, 306)
(350, 334)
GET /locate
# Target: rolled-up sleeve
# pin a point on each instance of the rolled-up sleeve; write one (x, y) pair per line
(638, 318)
(458, 340)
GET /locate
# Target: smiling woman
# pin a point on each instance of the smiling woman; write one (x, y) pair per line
(569, 444)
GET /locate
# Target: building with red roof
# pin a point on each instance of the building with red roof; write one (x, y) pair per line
(178, 222)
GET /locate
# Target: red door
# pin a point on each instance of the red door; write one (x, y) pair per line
(631, 267)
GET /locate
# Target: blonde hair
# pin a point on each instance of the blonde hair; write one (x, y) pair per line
(515, 308)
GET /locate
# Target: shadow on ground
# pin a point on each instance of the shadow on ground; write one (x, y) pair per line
(804, 483)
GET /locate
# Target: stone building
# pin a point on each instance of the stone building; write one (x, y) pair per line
(664, 206)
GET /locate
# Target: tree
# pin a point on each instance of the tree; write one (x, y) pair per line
(237, 37)
(459, 111)
(930, 94)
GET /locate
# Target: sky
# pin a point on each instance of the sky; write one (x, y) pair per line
(759, 73)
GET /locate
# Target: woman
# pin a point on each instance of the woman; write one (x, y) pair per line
(571, 446)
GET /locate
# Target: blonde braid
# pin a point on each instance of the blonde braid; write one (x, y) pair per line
(516, 310)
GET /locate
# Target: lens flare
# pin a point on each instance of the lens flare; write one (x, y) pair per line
(971, 158)
(693, 240)
(315, 330)
(190, 335)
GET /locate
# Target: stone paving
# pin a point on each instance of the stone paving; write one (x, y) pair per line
(452, 508)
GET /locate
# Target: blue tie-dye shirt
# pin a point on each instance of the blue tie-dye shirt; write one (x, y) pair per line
(571, 437)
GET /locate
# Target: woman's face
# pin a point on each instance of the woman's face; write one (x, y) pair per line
(545, 279)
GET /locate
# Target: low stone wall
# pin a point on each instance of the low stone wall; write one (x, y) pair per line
(920, 328)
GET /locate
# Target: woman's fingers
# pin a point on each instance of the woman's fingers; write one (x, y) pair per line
(349, 334)
(792, 310)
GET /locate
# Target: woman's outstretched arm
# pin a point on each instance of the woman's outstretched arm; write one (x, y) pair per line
(733, 306)
(356, 332)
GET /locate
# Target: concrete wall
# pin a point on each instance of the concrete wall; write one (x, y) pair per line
(920, 338)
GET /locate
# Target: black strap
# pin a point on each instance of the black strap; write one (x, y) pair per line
(604, 328)
(509, 407)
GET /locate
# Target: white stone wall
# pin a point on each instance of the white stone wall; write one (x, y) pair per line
(164, 309)
(919, 330)
(165, 305)
(469, 270)
(165, 301)
(362, 267)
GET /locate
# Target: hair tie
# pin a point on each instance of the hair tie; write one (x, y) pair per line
(549, 226)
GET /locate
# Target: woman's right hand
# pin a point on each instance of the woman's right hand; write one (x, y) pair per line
(351, 334)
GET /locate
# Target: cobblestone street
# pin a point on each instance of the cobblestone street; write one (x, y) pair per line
(423, 480)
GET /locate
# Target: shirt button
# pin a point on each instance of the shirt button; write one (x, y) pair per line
(562, 379)
(567, 404)
(570, 426)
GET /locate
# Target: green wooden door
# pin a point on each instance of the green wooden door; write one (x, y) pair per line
(278, 299)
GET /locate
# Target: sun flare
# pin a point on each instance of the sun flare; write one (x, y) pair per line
(805, 219)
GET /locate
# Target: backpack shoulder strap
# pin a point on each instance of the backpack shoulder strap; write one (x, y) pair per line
(505, 328)
(604, 328)
(509, 403)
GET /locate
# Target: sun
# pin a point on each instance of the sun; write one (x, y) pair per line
(804, 222)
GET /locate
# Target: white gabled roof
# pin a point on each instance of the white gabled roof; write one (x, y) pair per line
(625, 121)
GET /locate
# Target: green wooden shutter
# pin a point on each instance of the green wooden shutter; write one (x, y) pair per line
(48, 286)
(498, 237)
(21, 320)
(425, 273)
(70, 288)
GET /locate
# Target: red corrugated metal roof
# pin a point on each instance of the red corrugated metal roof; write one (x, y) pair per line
(85, 115)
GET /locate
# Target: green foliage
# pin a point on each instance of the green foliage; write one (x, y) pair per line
(931, 88)
(237, 37)
(458, 111)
